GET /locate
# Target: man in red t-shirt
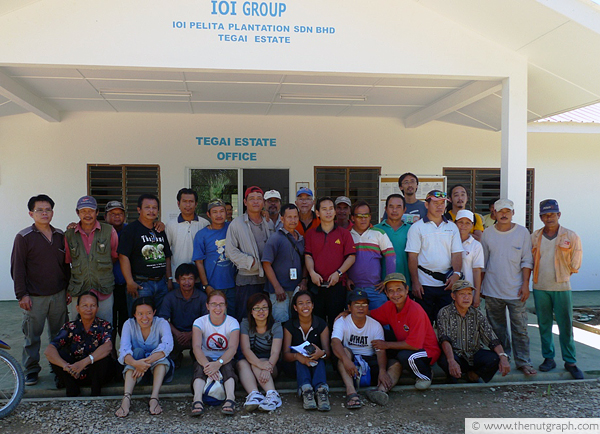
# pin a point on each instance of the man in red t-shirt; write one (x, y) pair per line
(417, 345)
(329, 252)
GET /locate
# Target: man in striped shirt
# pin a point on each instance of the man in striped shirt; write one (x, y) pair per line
(372, 247)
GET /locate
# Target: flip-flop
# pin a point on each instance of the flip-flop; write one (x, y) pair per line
(128, 396)
(197, 405)
(353, 401)
(157, 406)
(228, 407)
(528, 370)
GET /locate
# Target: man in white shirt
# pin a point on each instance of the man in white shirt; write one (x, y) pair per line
(434, 256)
(182, 230)
(352, 336)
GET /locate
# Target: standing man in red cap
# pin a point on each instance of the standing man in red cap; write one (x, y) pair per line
(434, 256)
(244, 245)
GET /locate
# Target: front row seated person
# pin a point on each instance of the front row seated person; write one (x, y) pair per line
(146, 343)
(181, 307)
(310, 369)
(464, 332)
(416, 348)
(353, 337)
(215, 341)
(260, 340)
(80, 354)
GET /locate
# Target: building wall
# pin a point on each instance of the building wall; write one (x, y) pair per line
(40, 157)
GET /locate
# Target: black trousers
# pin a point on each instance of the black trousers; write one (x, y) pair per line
(416, 363)
(485, 364)
(434, 298)
(96, 375)
(329, 302)
(120, 312)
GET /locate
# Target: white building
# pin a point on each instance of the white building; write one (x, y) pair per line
(338, 92)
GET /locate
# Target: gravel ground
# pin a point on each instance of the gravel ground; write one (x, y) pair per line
(410, 411)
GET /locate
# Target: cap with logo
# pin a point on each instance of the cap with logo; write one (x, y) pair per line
(548, 206)
(114, 204)
(461, 284)
(87, 202)
(342, 199)
(504, 204)
(272, 194)
(305, 190)
(465, 213)
(357, 294)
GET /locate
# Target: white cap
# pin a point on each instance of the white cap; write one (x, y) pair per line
(465, 213)
(272, 194)
(504, 203)
(342, 199)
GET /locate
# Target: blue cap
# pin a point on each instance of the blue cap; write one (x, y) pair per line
(549, 205)
(357, 294)
(305, 190)
(87, 202)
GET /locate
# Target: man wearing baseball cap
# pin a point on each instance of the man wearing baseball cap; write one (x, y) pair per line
(556, 255)
(308, 218)
(416, 347)
(508, 265)
(246, 238)
(342, 212)
(272, 208)
(434, 255)
(91, 249)
(464, 332)
(353, 336)
(472, 256)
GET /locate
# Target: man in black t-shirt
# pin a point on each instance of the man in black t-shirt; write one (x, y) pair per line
(145, 255)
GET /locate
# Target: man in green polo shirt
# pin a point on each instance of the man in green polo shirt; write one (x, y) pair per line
(396, 230)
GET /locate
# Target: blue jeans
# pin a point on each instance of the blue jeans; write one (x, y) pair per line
(314, 376)
(495, 308)
(376, 298)
(157, 289)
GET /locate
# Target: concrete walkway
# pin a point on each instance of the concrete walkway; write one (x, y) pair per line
(587, 343)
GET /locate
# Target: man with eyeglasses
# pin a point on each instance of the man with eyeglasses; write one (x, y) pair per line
(434, 252)
(41, 276)
(91, 249)
(308, 218)
(351, 342)
(181, 307)
(373, 247)
(244, 245)
(415, 209)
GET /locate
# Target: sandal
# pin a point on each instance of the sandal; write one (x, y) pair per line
(157, 408)
(353, 401)
(228, 407)
(197, 409)
(123, 413)
(528, 370)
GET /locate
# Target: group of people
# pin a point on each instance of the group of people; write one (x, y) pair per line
(285, 287)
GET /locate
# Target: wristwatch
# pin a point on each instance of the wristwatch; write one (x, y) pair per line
(340, 273)
(220, 361)
(505, 355)
(91, 359)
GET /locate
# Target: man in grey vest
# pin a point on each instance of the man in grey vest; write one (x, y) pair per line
(91, 249)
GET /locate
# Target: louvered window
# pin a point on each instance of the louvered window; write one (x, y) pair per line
(484, 185)
(358, 183)
(124, 183)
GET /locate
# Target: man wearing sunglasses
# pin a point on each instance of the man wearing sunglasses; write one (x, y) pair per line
(373, 247)
(434, 252)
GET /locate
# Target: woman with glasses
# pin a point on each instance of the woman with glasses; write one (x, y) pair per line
(261, 338)
(215, 341)
(146, 342)
(309, 368)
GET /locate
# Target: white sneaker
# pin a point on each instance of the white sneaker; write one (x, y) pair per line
(271, 402)
(253, 400)
(421, 384)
